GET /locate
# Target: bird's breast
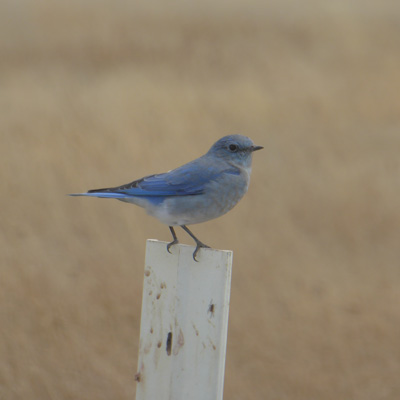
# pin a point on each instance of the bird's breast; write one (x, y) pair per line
(219, 197)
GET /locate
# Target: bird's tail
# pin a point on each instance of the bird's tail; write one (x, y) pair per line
(101, 194)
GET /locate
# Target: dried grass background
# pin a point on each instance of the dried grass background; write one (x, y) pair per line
(97, 93)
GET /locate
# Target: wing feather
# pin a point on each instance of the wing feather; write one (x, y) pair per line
(188, 180)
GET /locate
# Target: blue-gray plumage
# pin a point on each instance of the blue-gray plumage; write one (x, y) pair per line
(198, 191)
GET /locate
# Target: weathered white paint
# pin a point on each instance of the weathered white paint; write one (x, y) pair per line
(184, 323)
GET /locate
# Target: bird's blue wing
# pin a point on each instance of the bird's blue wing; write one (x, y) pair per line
(190, 179)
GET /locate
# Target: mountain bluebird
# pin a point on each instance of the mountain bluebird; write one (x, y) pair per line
(198, 191)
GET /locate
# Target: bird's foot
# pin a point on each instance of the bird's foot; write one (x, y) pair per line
(175, 241)
(199, 245)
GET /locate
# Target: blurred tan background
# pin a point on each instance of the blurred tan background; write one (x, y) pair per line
(96, 93)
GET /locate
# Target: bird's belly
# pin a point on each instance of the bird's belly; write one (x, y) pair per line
(186, 210)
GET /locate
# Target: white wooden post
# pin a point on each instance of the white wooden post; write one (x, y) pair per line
(184, 323)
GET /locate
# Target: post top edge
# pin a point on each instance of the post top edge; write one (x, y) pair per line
(163, 243)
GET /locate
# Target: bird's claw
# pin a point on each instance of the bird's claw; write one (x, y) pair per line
(199, 245)
(176, 241)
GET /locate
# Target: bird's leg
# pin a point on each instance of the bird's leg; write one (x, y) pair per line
(198, 243)
(175, 241)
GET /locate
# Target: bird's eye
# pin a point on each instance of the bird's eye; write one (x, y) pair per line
(233, 148)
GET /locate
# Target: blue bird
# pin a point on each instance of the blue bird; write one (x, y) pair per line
(198, 191)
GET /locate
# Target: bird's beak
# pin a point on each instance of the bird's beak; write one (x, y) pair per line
(254, 148)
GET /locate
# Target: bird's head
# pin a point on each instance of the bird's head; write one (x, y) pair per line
(236, 149)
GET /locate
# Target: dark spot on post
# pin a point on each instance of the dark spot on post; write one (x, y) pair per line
(195, 329)
(147, 272)
(151, 330)
(212, 344)
(211, 309)
(169, 343)
(158, 296)
(159, 344)
(137, 377)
